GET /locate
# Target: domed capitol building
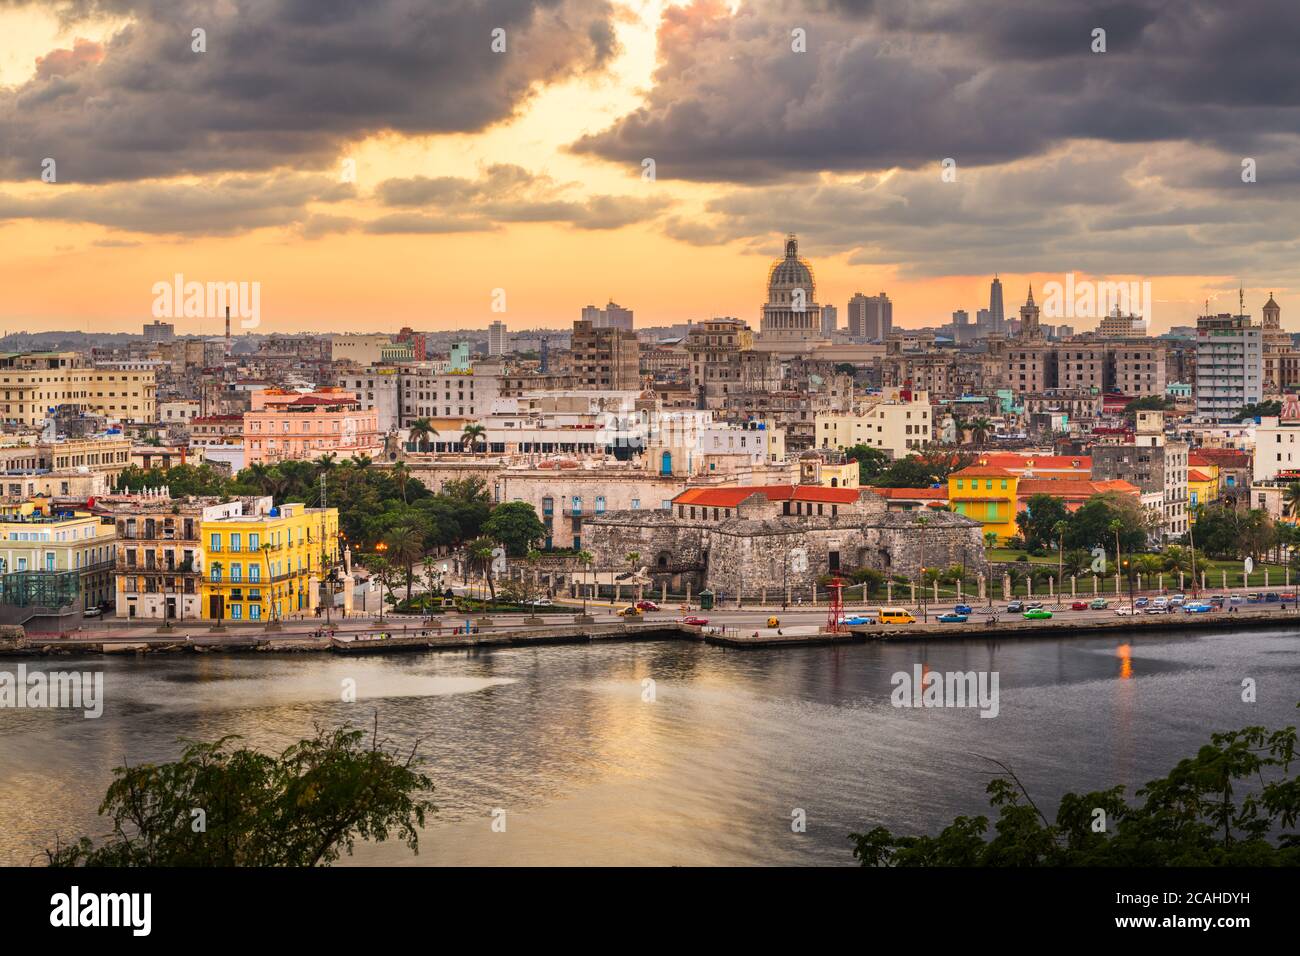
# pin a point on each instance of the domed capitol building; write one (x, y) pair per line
(791, 319)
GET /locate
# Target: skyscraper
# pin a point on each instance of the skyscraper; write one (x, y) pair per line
(871, 317)
(498, 338)
(830, 319)
(997, 318)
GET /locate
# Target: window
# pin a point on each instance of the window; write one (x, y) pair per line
(215, 544)
(215, 574)
(636, 504)
(254, 572)
(255, 612)
(254, 542)
(236, 612)
(236, 540)
(236, 572)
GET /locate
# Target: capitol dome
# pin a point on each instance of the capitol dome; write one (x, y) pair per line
(790, 273)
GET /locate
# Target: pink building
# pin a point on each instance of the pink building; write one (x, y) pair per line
(291, 426)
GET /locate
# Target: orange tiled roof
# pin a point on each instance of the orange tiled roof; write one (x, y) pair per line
(1218, 456)
(1048, 462)
(1071, 487)
(1194, 475)
(983, 471)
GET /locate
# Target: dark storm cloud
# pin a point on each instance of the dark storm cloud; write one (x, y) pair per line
(893, 83)
(225, 206)
(283, 82)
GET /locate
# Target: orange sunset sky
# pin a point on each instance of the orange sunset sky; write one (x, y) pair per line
(522, 170)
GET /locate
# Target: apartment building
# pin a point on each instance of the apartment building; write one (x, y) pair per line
(1229, 365)
(52, 560)
(307, 426)
(1154, 464)
(898, 423)
(605, 358)
(159, 557)
(34, 384)
(264, 562)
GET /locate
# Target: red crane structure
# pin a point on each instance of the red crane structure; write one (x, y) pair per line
(836, 613)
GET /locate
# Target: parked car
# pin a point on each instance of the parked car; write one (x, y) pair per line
(1197, 607)
(647, 605)
(1235, 599)
(1015, 607)
(1254, 597)
(695, 621)
(952, 618)
(1288, 595)
(95, 611)
(1079, 606)
(853, 621)
(1141, 602)
(1033, 605)
(630, 611)
(1037, 614)
(1217, 600)
(1177, 600)
(1158, 609)
(1125, 611)
(962, 609)
(1099, 604)
(1272, 597)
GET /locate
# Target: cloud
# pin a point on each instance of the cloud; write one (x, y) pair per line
(284, 83)
(901, 83)
(226, 206)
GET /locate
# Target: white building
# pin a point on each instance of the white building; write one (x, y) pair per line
(1229, 365)
(897, 422)
(498, 338)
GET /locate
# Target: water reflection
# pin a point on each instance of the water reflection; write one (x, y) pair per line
(588, 771)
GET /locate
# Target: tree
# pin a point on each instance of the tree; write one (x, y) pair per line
(871, 462)
(1259, 410)
(1291, 500)
(472, 435)
(515, 524)
(1090, 525)
(1192, 817)
(405, 550)
(480, 555)
(1038, 522)
(303, 807)
(585, 559)
(980, 430)
(421, 431)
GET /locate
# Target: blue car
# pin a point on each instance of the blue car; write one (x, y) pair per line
(1141, 602)
(962, 609)
(952, 618)
(858, 619)
(1197, 607)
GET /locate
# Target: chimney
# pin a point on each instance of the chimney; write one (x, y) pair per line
(227, 331)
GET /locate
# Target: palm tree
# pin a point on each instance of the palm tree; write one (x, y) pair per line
(402, 477)
(586, 559)
(326, 463)
(405, 549)
(1291, 500)
(472, 435)
(421, 431)
(959, 425)
(361, 462)
(480, 553)
(1060, 528)
(980, 429)
(260, 476)
(1116, 526)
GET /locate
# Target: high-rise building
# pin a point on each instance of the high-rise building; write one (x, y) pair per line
(498, 338)
(612, 316)
(157, 331)
(607, 359)
(997, 317)
(830, 320)
(871, 317)
(1229, 365)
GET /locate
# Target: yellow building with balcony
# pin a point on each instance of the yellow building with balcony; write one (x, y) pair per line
(988, 495)
(264, 563)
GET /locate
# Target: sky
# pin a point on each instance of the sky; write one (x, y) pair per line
(407, 163)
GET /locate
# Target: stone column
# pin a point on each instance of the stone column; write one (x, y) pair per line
(788, 600)
(1180, 581)
(982, 587)
(348, 597)
(1006, 587)
(889, 591)
(1095, 579)
(813, 588)
(1266, 577)
(936, 592)
(762, 595)
(688, 593)
(1160, 582)
(1074, 586)
(913, 586)
(958, 590)
(663, 592)
(1029, 586)
(1051, 589)
(1117, 582)
(1225, 578)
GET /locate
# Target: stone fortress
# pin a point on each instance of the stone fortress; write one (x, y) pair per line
(757, 540)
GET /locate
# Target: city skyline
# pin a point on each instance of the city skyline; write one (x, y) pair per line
(528, 174)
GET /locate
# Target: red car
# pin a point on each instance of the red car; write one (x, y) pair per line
(647, 606)
(1079, 606)
(695, 621)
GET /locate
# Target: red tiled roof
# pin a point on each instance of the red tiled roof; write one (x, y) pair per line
(1194, 475)
(731, 497)
(1071, 487)
(1049, 462)
(938, 494)
(1224, 457)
